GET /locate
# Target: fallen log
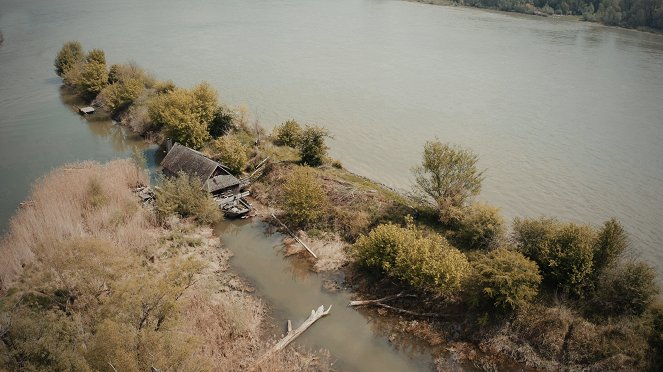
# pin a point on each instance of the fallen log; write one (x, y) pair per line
(383, 299)
(295, 236)
(379, 302)
(292, 335)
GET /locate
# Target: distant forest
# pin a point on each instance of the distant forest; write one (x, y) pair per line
(647, 14)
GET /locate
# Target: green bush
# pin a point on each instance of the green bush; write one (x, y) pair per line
(482, 226)
(563, 251)
(185, 196)
(185, 114)
(610, 245)
(626, 289)
(304, 200)
(96, 56)
(287, 134)
(222, 123)
(230, 152)
(426, 262)
(120, 94)
(312, 148)
(69, 55)
(503, 279)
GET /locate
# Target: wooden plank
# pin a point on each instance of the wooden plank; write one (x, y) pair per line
(295, 237)
(292, 335)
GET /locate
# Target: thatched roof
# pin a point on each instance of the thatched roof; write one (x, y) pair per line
(221, 182)
(196, 165)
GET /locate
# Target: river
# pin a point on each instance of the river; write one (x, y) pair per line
(567, 117)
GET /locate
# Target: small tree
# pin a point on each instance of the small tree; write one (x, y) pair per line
(482, 226)
(120, 94)
(222, 122)
(96, 56)
(626, 289)
(230, 152)
(185, 196)
(503, 279)
(610, 244)
(564, 252)
(185, 114)
(449, 176)
(288, 133)
(69, 55)
(312, 148)
(304, 199)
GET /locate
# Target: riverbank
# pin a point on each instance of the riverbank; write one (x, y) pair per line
(605, 18)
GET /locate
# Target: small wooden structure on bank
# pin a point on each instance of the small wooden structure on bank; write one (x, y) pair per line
(88, 110)
(226, 189)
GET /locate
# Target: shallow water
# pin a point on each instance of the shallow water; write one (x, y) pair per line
(357, 341)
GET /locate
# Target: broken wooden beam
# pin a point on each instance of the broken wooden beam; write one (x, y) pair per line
(292, 335)
(383, 299)
(295, 237)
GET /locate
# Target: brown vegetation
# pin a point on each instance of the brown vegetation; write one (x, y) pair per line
(92, 282)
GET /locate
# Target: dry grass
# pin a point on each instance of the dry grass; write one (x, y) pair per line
(549, 338)
(61, 207)
(218, 319)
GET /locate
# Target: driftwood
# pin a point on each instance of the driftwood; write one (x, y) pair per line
(383, 299)
(379, 302)
(295, 236)
(292, 335)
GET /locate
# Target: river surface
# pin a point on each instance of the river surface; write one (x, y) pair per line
(567, 117)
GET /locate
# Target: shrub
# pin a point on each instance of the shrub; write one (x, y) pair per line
(504, 279)
(482, 226)
(626, 289)
(448, 176)
(229, 151)
(96, 56)
(185, 196)
(312, 148)
(185, 114)
(425, 262)
(87, 79)
(564, 252)
(287, 134)
(304, 200)
(69, 55)
(120, 94)
(130, 71)
(222, 122)
(610, 245)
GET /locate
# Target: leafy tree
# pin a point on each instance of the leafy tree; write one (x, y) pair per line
(564, 252)
(312, 148)
(448, 175)
(69, 55)
(222, 122)
(610, 245)
(503, 279)
(120, 94)
(304, 200)
(482, 226)
(426, 262)
(626, 289)
(96, 56)
(185, 196)
(185, 114)
(288, 133)
(229, 151)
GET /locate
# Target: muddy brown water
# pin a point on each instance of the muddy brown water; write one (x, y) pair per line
(357, 341)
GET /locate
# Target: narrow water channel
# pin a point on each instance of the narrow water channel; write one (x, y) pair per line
(356, 341)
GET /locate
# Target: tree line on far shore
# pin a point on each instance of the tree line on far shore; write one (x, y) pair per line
(646, 14)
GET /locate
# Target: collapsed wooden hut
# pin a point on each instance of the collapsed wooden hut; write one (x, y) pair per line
(216, 179)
